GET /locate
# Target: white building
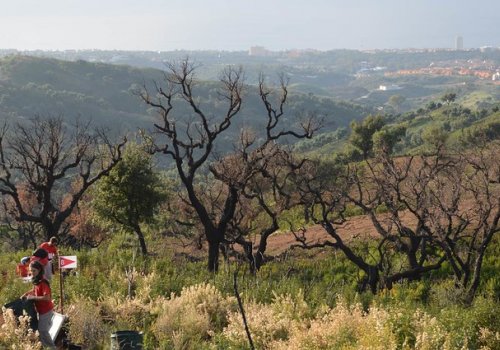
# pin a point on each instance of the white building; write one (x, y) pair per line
(389, 87)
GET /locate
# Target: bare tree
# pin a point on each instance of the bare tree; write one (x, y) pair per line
(323, 193)
(20, 234)
(427, 209)
(193, 147)
(270, 193)
(394, 194)
(46, 160)
(465, 212)
(331, 188)
(440, 207)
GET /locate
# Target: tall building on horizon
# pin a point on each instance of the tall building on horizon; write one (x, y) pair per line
(459, 43)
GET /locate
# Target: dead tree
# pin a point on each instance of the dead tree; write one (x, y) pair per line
(267, 194)
(45, 160)
(192, 146)
(331, 188)
(323, 194)
(25, 235)
(273, 191)
(464, 205)
(444, 206)
(393, 192)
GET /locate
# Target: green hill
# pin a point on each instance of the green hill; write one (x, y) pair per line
(461, 124)
(32, 86)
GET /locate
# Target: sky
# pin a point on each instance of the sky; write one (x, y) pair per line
(234, 25)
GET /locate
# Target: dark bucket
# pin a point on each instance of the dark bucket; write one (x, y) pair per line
(126, 340)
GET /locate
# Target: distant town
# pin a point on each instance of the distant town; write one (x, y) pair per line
(461, 65)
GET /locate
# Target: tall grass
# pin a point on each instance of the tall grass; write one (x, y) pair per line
(304, 301)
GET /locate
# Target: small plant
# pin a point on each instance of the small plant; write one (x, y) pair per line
(16, 334)
(125, 313)
(85, 325)
(195, 315)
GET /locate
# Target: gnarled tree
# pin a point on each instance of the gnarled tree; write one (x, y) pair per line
(269, 192)
(47, 160)
(443, 206)
(465, 212)
(323, 192)
(190, 143)
(20, 234)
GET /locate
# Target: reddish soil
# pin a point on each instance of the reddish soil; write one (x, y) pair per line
(356, 227)
(361, 227)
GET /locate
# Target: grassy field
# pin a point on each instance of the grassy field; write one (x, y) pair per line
(306, 300)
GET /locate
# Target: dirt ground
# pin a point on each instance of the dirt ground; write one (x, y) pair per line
(357, 227)
(360, 227)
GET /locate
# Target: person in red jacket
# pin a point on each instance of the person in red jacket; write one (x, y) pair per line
(51, 248)
(42, 297)
(22, 268)
(42, 257)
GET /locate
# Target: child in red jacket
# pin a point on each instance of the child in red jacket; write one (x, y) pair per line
(41, 295)
(22, 267)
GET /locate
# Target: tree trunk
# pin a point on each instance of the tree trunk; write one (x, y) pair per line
(142, 242)
(412, 252)
(372, 277)
(258, 260)
(259, 255)
(50, 229)
(213, 256)
(474, 285)
(371, 280)
(248, 249)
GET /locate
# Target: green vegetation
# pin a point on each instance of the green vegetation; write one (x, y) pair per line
(131, 194)
(425, 181)
(107, 94)
(305, 296)
(460, 125)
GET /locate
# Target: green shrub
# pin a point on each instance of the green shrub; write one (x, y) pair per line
(197, 314)
(86, 326)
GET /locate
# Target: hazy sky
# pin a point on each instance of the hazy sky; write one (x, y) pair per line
(239, 24)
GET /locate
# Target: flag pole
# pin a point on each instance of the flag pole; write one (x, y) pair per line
(61, 277)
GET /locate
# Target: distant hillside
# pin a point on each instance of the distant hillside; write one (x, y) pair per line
(350, 75)
(462, 125)
(32, 86)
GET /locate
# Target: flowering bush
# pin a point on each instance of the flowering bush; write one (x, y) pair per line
(490, 340)
(347, 327)
(197, 313)
(125, 313)
(15, 333)
(268, 323)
